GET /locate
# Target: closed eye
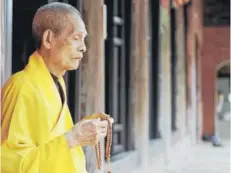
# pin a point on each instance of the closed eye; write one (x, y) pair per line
(76, 38)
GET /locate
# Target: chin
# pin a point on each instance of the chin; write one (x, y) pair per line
(74, 67)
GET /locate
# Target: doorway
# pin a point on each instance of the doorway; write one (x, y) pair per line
(222, 100)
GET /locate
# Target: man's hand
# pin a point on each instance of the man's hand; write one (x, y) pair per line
(87, 132)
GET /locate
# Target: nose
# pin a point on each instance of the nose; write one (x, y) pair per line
(83, 48)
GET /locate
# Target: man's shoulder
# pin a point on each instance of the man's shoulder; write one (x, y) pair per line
(17, 82)
(16, 79)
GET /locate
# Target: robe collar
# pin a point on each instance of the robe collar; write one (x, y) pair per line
(39, 71)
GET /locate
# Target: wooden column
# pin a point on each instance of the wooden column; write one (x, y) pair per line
(181, 71)
(6, 39)
(165, 77)
(92, 69)
(2, 54)
(192, 71)
(140, 78)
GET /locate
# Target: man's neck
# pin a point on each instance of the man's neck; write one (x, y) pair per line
(51, 68)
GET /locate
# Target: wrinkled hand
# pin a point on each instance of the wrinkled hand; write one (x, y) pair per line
(87, 132)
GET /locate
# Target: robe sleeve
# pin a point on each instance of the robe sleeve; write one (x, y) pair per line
(21, 152)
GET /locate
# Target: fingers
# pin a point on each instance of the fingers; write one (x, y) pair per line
(102, 124)
(88, 128)
(95, 127)
(108, 116)
(96, 117)
(93, 139)
(103, 132)
(102, 128)
(90, 131)
(111, 120)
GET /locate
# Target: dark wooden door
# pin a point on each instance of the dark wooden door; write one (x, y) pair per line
(117, 71)
(174, 65)
(154, 69)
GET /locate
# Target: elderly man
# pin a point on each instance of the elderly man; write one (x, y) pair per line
(38, 135)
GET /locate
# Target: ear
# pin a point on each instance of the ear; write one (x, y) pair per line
(47, 38)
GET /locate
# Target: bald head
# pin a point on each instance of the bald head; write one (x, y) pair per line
(53, 16)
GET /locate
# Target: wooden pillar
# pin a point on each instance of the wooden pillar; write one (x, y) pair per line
(191, 78)
(6, 39)
(92, 69)
(140, 78)
(165, 77)
(2, 54)
(194, 102)
(181, 70)
(193, 73)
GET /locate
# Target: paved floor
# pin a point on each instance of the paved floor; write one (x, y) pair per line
(204, 158)
(224, 129)
(200, 158)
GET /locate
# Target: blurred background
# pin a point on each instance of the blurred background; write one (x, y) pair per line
(161, 68)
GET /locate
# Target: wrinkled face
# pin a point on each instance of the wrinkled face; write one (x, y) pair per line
(67, 48)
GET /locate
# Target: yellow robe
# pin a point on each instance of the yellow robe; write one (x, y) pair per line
(34, 122)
